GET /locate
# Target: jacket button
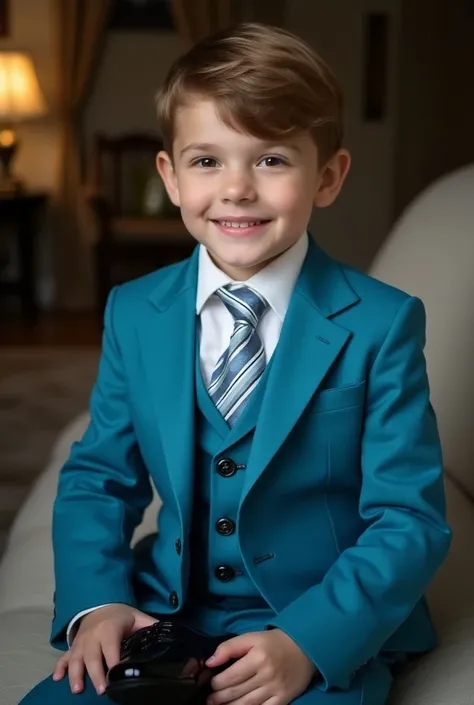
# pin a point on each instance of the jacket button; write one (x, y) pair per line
(224, 573)
(226, 467)
(177, 545)
(173, 598)
(225, 526)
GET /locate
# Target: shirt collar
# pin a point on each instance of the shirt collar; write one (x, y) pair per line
(275, 282)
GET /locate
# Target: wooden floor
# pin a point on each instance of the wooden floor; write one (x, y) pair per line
(52, 329)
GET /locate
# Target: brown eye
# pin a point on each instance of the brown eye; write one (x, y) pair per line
(272, 161)
(206, 163)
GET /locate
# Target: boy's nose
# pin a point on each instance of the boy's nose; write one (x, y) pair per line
(237, 186)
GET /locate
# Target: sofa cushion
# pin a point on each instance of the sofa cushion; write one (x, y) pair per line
(443, 677)
(37, 509)
(25, 656)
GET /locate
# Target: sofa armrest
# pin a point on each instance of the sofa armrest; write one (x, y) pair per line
(26, 572)
(443, 677)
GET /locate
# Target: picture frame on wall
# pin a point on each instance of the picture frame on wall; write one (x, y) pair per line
(141, 15)
(4, 18)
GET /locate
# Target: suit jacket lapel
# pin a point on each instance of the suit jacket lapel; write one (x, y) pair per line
(168, 348)
(309, 344)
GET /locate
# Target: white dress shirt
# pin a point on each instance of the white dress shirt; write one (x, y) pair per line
(275, 283)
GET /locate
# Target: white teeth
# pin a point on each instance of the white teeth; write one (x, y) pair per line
(233, 224)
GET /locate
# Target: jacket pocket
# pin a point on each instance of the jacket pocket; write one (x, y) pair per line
(338, 398)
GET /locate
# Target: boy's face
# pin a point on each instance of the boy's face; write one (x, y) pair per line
(244, 199)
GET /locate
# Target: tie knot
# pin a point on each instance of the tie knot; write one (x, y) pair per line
(243, 303)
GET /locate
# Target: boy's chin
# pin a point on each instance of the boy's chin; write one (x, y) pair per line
(241, 268)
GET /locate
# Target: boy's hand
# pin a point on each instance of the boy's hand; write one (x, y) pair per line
(270, 666)
(99, 637)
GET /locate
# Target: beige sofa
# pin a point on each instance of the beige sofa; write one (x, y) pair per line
(429, 253)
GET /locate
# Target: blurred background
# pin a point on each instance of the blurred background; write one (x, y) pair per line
(81, 207)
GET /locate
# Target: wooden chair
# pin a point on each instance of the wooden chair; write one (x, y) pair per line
(132, 239)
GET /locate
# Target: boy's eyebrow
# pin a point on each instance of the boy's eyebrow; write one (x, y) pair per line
(208, 147)
(200, 147)
(293, 146)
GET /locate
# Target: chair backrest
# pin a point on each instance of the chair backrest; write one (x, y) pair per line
(430, 254)
(123, 165)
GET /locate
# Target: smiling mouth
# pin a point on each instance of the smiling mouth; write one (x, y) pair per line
(240, 223)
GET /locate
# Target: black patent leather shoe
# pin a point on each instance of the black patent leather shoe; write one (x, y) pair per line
(165, 664)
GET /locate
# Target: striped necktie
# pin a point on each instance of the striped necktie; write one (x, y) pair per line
(240, 367)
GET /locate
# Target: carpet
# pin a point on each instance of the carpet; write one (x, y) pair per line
(41, 391)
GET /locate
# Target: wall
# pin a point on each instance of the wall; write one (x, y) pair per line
(133, 66)
(435, 132)
(354, 227)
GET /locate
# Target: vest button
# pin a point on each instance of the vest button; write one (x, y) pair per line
(225, 526)
(177, 545)
(226, 467)
(173, 598)
(224, 573)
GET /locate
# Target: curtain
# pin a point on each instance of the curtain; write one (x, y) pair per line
(80, 30)
(196, 19)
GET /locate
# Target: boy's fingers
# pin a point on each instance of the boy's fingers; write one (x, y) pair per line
(144, 620)
(236, 647)
(95, 668)
(76, 673)
(111, 650)
(242, 671)
(60, 668)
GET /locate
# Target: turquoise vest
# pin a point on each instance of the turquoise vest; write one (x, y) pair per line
(233, 604)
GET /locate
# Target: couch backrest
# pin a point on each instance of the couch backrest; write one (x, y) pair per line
(430, 254)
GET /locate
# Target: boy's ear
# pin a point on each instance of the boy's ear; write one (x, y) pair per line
(165, 169)
(331, 178)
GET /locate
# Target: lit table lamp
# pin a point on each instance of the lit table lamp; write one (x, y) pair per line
(20, 99)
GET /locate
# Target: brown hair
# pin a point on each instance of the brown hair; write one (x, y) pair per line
(263, 80)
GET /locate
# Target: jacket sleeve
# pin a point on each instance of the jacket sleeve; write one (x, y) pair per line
(373, 586)
(103, 491)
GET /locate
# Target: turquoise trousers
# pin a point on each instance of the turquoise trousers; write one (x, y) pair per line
(370, 686)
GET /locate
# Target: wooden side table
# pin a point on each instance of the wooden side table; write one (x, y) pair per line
(23, 213)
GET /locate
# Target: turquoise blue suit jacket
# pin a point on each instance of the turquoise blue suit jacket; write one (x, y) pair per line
(343, 484)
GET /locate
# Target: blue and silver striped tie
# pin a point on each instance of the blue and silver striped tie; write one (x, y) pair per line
(240, 367)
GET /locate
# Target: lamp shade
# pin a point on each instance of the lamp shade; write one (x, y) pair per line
(20, 95)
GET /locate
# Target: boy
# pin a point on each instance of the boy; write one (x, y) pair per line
(277, 399)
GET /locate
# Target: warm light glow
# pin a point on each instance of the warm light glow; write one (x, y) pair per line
(20, 94)
(7, 138)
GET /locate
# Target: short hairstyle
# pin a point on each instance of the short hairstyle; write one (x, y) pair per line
(264, 81)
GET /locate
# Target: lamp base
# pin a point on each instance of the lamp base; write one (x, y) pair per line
(8, 148)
